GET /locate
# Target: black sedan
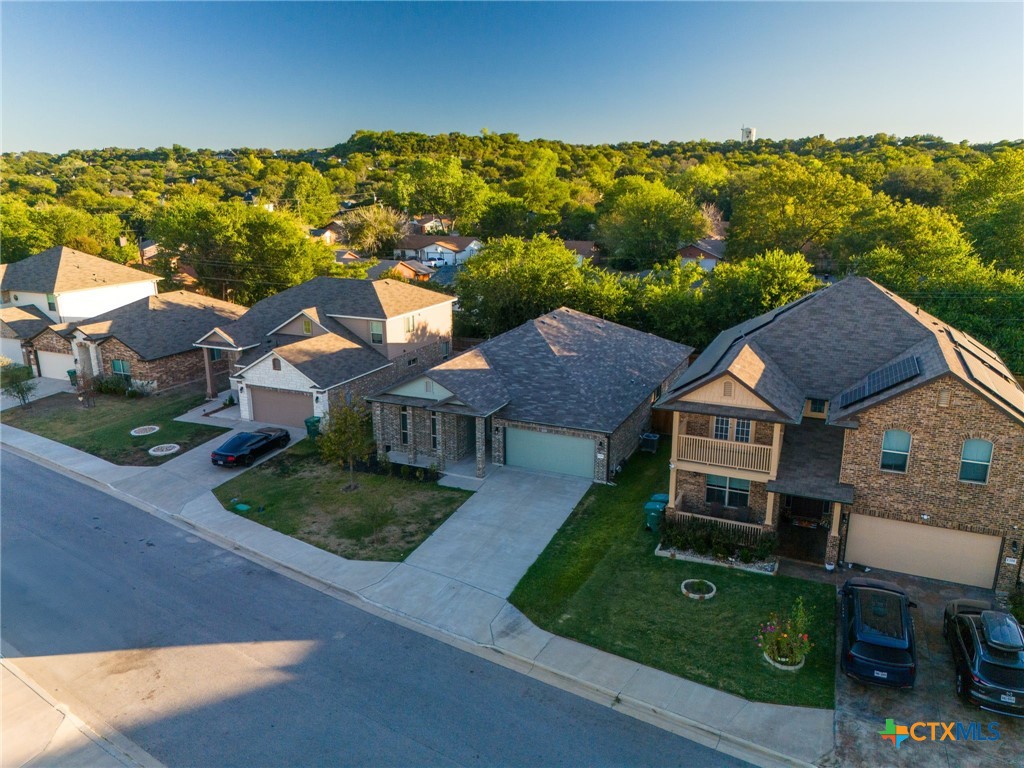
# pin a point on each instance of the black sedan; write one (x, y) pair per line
(988, 653)
(243, 449)
(878, 633)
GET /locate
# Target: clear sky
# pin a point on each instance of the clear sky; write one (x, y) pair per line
(294, 75)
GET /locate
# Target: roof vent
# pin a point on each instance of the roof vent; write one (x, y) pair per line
(727, 389)
(944, 396)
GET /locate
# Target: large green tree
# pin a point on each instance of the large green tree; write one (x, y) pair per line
(374, 230)
(309, 195)
(645, 223)
(441, 187)
(991, 206)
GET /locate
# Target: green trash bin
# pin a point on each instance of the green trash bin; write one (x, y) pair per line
(653, 512)
(313, 426)
(73, 375)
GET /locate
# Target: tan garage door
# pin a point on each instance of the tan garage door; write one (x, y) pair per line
(276, 407)
(54, 365)
(923, 550)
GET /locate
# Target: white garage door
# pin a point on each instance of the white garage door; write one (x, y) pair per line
(274, 406)
(11, 348)
(54, 365)
(550, 453)
(923, 550)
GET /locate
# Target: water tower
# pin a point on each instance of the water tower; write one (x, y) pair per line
(748, 135)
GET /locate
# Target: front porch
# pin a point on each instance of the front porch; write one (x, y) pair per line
(438, 435)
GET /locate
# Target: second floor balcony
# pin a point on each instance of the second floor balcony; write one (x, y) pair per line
(698, 454)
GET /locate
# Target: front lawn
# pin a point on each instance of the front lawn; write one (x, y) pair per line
(103, 430)
(600, 583)
(296, 493)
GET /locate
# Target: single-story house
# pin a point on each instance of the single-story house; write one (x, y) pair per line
(566, 393)
(708, 252)
(444, 249)
(329, 339)
(413, 270)
(585, 250)
(432, 225)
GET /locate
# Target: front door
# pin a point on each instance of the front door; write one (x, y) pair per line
(803, 528)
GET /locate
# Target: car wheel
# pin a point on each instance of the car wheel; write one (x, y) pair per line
(248, 460)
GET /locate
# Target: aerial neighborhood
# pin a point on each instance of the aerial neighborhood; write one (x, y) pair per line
(584, 406)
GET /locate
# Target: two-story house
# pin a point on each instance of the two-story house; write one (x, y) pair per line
(437, 249)
(328, 339)
(60, 285)
(860, 429)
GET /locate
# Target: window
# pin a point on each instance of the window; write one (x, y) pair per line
(816, 405)
(51, 302)
(376, 332)
(445, 349)
(728, 491)
(215, 355)
(404, 423)
(410, 324)
(742, 434)
(121, 368)
(656, 394)
(434, 425)
(895, 450)
(307, 326)
(721, 428)
(275, 363)
(975, 459)
(412, 361)
(428, 385)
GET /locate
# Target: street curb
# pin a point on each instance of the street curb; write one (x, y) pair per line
(678, 724)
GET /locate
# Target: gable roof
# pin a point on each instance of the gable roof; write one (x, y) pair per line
(844, 337)
(330, 359)
(26, 322)
(585, 248)
(60, 269)
(712, 246)
(161, 325)
(343, 297)
(565, 369)
(451, 242)
(417, 267)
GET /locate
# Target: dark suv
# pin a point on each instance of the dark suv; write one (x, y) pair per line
(878, 633)
(988, 652)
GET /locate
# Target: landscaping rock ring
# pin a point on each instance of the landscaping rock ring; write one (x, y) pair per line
(166, 449)
(140, 431)
(698, 589)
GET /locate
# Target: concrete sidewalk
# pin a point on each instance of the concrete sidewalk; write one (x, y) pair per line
(456, 584)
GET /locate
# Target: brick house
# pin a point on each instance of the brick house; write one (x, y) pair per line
(566, 393)
(150, 340)
(328, 340)
(708, 252)
(860, 429)
(413, 270)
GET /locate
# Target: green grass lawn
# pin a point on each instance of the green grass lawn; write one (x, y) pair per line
(103, 430)
(600, 583)
(384, 518)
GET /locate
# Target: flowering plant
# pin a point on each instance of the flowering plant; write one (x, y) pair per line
(784, 638)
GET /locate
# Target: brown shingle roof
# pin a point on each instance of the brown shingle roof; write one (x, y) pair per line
(26, 322)
(452, 243)
(61, 269)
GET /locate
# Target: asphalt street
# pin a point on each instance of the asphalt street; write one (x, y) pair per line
(204, 658)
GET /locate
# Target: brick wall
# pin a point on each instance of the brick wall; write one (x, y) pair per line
(931, 485)
(165, 372)
(49, 341)
(693, 487)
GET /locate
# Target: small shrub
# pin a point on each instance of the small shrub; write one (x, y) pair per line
(110, 385)
(766, 546)
(420, 474)
(746, 555)
(699, 587)
(405, 471)
(783, 638)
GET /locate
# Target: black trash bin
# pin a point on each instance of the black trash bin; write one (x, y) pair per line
(313, 427)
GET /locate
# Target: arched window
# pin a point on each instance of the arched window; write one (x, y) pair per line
(895, 450)
(975, 459)
(275, 363)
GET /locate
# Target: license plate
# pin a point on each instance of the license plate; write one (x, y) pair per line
(218, 461)
(882, 675)
(1009, 698)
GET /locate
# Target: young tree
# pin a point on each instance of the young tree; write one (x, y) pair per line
(374, 230)
(16, 380)
(348, 437)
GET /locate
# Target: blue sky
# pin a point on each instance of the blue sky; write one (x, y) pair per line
(291, 75)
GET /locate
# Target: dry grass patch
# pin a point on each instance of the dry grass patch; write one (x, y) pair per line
(384, 518)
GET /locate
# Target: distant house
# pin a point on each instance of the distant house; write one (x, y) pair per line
(346, 256)
(324, 235)
(431, 225)
(252, 197)
(148, 249)
(566, 393)
(337, 228)
(708, 253)
(150, 340)
(437, 249)
(585, 250)
(410, 270)
(444, 275)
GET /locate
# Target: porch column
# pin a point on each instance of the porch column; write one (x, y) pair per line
(776, 450)
(671, 487)
(412, 435)
(832, 545)
(442, 427)
(211, 390)
(769, 512)
(481, 445)
(377, 410)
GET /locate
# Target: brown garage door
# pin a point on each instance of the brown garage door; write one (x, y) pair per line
(275, 406)
(923, 550)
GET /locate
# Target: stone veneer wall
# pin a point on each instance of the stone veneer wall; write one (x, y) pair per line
(166, 372)
(50, 341)
(693, 485)
(455, 433)
(931, 485)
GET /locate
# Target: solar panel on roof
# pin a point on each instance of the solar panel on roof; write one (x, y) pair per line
(881, 380)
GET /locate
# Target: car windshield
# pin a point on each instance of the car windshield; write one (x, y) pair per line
(237, 443)
(881, 612)
(882, 654)
(1004, 677)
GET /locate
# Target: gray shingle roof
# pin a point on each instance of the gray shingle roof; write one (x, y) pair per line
(830, 341)
(61, 269)
(565, 369)
(330, 359)
(384, 265)
(26, 322)
(809, 464)
(378, 299)
(162, 325)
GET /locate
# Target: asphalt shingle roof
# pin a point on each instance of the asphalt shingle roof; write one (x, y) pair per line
(330, 359)
(26, 322)
(162, 325)
(565, 369)
(61, 269)
(384, 265)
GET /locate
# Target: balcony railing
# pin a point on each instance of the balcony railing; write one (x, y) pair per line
(747, 532)
(724, 453)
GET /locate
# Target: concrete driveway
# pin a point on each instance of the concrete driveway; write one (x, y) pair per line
(861, 710)
(44, 388)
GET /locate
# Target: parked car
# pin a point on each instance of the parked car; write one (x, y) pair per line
(878, 633)
(244, 448)
(988, 653)
(432, 261)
